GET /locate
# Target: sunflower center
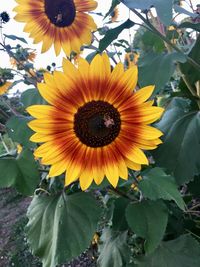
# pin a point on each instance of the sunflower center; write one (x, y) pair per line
(97, 123)
(60, 12)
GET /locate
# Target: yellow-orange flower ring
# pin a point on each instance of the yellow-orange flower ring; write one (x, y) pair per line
(95, 125)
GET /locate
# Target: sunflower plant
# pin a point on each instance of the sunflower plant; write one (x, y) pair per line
(106, 145)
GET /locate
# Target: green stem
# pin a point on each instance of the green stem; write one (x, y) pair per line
(164, 38)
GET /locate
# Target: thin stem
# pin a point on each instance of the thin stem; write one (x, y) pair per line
(4, 144)
(122, 194)
(10, 108)
(164, 38)
(4, 114)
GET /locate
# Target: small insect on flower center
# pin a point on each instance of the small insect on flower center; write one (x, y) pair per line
(60, 12)
(97, 123)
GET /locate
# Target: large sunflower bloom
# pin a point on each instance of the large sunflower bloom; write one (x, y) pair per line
(63, 23)
(4, 87)
(95, 125)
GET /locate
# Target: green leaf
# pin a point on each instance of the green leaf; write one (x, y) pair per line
(32, 97)
(194, 26)
(19, 131)
(112, 34)
(180, 152)
(148, 219)
(187, 69)
(14, 37)
(113, 5)
(61, 227)
(194, 186)
(175, 110)
(21, 173)
(182, 10)
(152, 41)
(164, 65)
(163, 8)
(156, 184)
(119, 222)
(181, 252)
(114, 251)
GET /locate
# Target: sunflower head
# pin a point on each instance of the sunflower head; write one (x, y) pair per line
(96, 125)
(114, 14)
(63, 23)
(130, 59)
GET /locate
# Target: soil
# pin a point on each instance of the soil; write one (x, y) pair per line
(14, 250)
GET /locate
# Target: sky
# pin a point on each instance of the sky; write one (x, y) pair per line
(42, 60)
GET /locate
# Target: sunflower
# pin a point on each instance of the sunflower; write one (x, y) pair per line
(130, 59)
(63, 23)
(114, 14)
(4, 86)
(96, 125)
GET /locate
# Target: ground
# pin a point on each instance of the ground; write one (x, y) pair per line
(14, 250)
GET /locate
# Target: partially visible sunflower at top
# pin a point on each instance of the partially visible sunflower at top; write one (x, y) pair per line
(63, 23)
(95, 125)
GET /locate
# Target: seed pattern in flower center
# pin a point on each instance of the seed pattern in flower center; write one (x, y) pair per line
(60, 12)
(97, 123)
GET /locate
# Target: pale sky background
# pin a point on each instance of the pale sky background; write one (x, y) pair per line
(42, 60)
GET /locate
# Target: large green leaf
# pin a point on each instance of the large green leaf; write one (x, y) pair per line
(61, 227)
(163, 8)
(156, 184)
(32, 97)
(114, 250)
(148, 219)
(112, 34)
(181, 252)
(175, 110)
(164, 64)
(189, 71)
(180, 152)
(119, 222)
(19, 131)
(21, 173)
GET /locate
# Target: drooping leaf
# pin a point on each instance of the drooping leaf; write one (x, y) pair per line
(194, 26)
(60, 227)
(187, 69)
(163, 8)
(113, 5)
(164, 64)
(21, 173)
(112, 34)
(14, 37)
(32, 97)
(181, 252)
(19, 131)
(156, 184)
(182, 10)
(119, 222)
(180, 152)
(148, 219)
(114, 251)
